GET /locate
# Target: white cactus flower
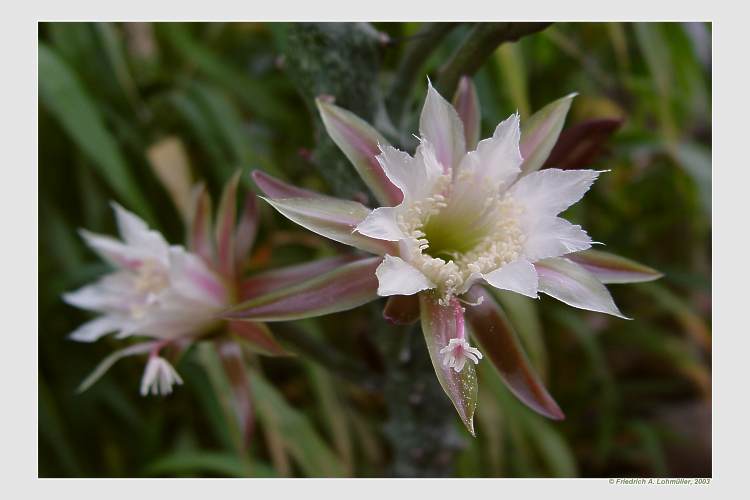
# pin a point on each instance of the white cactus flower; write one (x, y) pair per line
(156, 290)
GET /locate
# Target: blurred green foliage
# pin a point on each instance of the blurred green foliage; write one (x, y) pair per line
(636, 393)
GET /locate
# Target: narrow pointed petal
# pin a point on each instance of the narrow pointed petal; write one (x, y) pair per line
(541, 132)
(333, 218)
(111, 250)
(257, 337)
(550, 191)
(277, 279)
(200, 238)
(230, 354)
(342, 289)
(401, 309)
(106, 363)
(415, 176)
(439, 325)
(500, 343)
(398, 277)
(226, 218)
(381, 224)
(136, 233)
(610, 268)
(441, 126)
(466, 103)
(247, 228)
(553, 237)
(518, 276)
(361, 143)
(95, 329)
(580, 145)
(570, 283)
(497, 160)
(275, 188)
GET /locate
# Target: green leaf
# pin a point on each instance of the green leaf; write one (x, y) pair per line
(199, 462)
(62, 93)
(299, 436)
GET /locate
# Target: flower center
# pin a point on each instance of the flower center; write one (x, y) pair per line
(150, 279)
(454, 240)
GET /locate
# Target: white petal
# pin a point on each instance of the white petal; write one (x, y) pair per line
(96, 328)
(518, 276)
(113, 251)
(552, 237)
(440, 125)
(497, 160)
(136, 233)
(397, 277)
(381, 224)
(568, 282)
(112, 292)
(415, 177)
(550, 191)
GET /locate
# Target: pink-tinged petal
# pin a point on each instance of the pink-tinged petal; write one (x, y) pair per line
(342, 289)
(200, 238)
(466, 103)
(113, 251)
(500, 343)
(401, 309)
(550, 191)
(275, 188)
(277, 279)
(226, 218)
(361, 144)
(439, 326)
(230, 354)
(398, 277)
(106, 363)
(518, 276)
(382, 224)
(441, 126)
(570, 283)
(247, 228)
(541, 132)
(257, 337)
(580, 145)
(552, 237)
(333, 218)
(96, 328)
(190, 277)
(610, 268)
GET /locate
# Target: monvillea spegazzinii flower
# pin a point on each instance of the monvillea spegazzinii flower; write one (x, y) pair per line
(173, 295)
(455, 217)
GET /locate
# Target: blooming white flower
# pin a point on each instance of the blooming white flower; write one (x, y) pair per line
(470, 216)
(459, 216)
(156, 290)
(159, 377)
